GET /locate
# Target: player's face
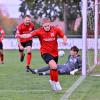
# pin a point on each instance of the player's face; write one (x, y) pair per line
(27, 20)
(73, 53)
(46, 26)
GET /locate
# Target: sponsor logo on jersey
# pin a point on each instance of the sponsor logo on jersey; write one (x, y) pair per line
(49, 39)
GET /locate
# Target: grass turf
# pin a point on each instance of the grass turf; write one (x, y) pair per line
(88, 90)
(16, 84)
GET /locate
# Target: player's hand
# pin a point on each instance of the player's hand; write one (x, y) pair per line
(64, 42)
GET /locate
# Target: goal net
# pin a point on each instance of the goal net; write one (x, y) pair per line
(92, 67)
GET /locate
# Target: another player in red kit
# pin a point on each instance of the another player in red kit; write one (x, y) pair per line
(48, 35)
(25, 28)
(2, 34)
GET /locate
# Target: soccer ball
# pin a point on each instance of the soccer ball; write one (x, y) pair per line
(61, 53)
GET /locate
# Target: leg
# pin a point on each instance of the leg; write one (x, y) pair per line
(62, 70)
(29, 56)
(21, 51)
(1, 53)
(52, 62)
(54, 76)
(28, 46)
(60, 67)
(21, 54)
(42, 69)
(53, 71)
(1, 57)
(46, 68)
(44, 73)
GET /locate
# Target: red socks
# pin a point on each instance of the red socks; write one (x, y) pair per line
(54, 75)
(28, 59)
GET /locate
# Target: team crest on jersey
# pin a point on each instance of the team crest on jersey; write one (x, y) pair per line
(52, 34)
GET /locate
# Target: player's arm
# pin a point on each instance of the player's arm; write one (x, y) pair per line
(61, 34)
(23, 36)
(19, 43)
(64, 40)
(2, 34)
(18, 39)
(32, 34)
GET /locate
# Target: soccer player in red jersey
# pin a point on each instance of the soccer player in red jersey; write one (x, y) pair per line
(48, 35)
(2, 34)
(25, 28)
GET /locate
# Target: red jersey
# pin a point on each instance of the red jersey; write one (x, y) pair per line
(25, 29)
(48, 40)
(2, 34)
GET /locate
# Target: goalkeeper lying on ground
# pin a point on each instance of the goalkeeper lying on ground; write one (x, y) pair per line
(72, 65)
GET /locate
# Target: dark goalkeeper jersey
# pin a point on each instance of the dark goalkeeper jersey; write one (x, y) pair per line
(74, 62)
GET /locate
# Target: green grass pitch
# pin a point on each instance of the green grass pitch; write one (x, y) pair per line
(16, 84)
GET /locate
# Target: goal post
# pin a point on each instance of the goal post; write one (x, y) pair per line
(96, 32)
(84, 35)
(90, 21)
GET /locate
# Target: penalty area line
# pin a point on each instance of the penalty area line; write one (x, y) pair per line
(68, 93)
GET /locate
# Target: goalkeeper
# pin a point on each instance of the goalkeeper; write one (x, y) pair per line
(71, 66)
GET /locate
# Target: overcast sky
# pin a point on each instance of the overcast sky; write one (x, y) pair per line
(12, 7)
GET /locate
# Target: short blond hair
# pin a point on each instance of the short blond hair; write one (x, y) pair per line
(46, 20)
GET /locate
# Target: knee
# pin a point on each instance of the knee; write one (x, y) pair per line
(53, 67)
(29, 50)
(1, 51)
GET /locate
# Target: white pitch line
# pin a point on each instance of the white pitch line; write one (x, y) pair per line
(28, 91)
(18, 91)
(68, 93)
